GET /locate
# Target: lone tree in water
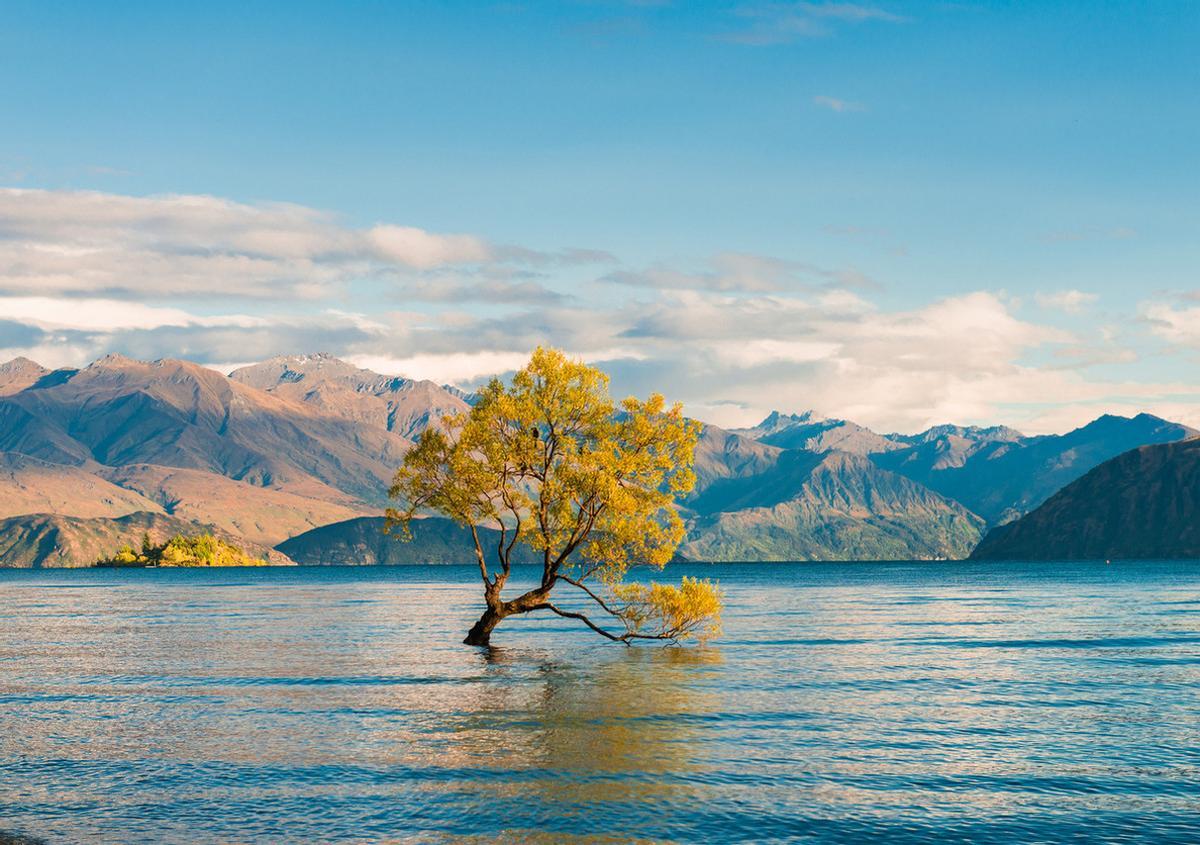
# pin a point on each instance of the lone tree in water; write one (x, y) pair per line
(552, 462)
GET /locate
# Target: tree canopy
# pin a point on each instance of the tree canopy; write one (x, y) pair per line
(551, 461)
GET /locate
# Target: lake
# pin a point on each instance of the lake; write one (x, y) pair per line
(898, 702)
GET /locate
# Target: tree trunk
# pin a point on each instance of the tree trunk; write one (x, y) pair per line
(481, 631)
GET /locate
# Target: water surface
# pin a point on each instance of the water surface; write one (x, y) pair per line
(896, 702)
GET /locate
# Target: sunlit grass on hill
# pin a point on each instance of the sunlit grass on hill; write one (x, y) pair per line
(200, 550)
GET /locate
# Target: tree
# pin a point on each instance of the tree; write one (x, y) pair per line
(552, 462)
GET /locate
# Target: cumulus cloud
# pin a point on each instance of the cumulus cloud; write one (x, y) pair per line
(80, 243)
(1173, 323)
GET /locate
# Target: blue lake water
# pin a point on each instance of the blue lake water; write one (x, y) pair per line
(845, 703)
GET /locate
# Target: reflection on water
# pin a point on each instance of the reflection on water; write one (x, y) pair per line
(912, 703)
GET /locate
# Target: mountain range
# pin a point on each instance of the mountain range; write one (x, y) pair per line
(297, 453)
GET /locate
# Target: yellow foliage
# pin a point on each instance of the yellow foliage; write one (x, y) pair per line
(200, 550)
(551, 461)
(693, 609)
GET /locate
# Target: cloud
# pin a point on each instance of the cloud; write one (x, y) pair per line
(1070, 301)
(782, 23)
(1176, 325)
(83, 243)
(452, 368)
(743, 272)
(730, 356)
(83, 274)
(491, 290)
(92, 314)
(834, 104)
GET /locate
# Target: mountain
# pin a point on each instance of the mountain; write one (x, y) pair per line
(258, 514)
(1142, 504)
(815, 434)
(723, 454)
(404, 406)
(1000, 475)
(960, 433)
(118, 411)
(29, 485)
(826, 506)
(18, 374)
(282, 450)
(362, 542)
(54, 540)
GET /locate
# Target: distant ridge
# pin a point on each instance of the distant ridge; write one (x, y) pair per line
(1000, 478)
(1142, 504)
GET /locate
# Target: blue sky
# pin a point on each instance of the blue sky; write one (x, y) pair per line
(898, 212)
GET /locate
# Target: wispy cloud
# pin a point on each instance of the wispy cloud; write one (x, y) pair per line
(837, 105)
(746, 273)
(1070, 301)
(83, 243)
(781, 22)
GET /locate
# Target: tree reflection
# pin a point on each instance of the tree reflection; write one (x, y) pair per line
(569, 737)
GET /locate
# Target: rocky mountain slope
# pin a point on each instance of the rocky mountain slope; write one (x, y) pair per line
(261, 515)
(404, 406)
(826, 506)
(813, 433)
(29, 485)
(119, 411)
(18, 374)
(1142, 504)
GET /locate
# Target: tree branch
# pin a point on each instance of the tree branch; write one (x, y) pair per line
(593, 596)
(479, 554)
(623, 638)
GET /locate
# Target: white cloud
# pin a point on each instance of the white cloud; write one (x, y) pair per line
(452, 368)
(89, 314)
(1180, 326)
(735, 336)
(81, 243)
(1070, 301)
(417, 248)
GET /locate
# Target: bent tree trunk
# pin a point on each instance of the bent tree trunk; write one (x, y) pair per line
(481, 631)
(498, 610)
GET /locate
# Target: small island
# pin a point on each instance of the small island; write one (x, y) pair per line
(198, 550)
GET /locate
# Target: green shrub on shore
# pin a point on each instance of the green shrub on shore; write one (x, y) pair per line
(200, 550)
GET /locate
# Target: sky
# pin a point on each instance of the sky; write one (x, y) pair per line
(903, 213)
